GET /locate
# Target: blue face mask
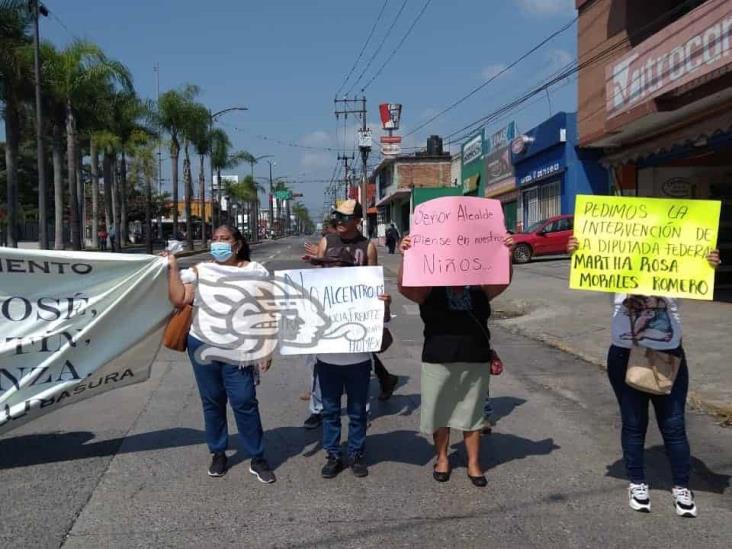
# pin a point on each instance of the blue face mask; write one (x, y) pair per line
(221, 251)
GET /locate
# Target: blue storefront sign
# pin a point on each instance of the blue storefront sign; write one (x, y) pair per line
(551, 171)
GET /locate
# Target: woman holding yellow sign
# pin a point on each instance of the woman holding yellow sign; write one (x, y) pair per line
(646, 337)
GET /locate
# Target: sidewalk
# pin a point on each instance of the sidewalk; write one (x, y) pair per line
(540, 305)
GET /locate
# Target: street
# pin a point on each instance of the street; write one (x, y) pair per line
(129, 469)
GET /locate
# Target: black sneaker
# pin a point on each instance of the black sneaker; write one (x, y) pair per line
(358, 467)
(332, 467)
(260, 468)
(313, 422)
(388, 387)
(218, 466)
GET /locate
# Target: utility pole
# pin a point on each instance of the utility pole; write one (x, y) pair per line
(37, 10)
(271, 200)
(156, 69)
(357, 106)
(346, 176)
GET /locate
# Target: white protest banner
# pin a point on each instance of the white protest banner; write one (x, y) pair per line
(74, 325)
(335, 310)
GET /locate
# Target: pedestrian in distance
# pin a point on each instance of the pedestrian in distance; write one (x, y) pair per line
(221, 382)
(392, 238)
(347, 371)
(654, 323)
(102, 236)
(456, 364)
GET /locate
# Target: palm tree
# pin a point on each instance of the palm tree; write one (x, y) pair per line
(196, 125)
(14, 77)
(82, 66)
(202, 143)
(144, 168)
(171, 116)
(109, 145)
(221, 156)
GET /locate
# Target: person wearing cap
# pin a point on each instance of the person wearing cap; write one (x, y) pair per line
(352, 371)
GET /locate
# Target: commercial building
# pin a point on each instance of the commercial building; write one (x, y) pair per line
(551, 170)
(658, 103)
(399, 179)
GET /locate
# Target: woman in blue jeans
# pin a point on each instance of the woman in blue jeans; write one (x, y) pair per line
(654, 323)
(222, 375)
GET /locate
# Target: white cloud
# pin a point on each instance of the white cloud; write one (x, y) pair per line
(492, 71)
(318, 138)
(547, 7)
(316, 160)
(559, 58)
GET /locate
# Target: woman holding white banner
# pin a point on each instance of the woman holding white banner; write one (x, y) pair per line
(651, 323)
(456, 369)
(223, 371)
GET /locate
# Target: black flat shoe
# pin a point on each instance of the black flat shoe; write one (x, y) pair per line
(479, 482)
(441, 477)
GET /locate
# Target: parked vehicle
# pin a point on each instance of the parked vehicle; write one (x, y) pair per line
(547, 237)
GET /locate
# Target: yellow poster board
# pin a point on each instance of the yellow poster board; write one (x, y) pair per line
(646, 246)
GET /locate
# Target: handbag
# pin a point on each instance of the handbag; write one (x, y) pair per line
(650, 371)
(175, 336)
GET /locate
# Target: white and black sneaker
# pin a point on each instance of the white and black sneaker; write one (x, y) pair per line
(261, 469)
(684, 502)
(638, 498)
(218, 465)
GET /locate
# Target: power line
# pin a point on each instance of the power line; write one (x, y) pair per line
(494, 77)
(363, 48)
(399, 45)
(378, 49)
(575, 67)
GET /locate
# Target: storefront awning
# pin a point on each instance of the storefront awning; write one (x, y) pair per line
(399, 193)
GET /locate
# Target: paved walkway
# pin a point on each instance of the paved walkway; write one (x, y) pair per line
(539, 304)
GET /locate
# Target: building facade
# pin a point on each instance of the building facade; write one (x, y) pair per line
(658, 104)
(551, 170)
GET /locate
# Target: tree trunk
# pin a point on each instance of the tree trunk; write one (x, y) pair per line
(217, 209)
(71, 174)
(124, 237)
(174, 154)
(115, 203)
(107, 174)
(94, 159)
(202, 200)
(12, 140)
(187, 195)
(57, 152)
(148, 214)
(81, 195)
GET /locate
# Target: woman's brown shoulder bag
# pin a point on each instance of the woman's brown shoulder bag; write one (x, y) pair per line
(175, 336)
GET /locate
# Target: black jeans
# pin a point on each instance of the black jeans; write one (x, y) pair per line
(670, 416)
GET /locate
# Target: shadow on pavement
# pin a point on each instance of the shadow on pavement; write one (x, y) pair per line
(283, 443)
(658, 473)
(504, 407)
(398, 447)
(500, 448)
(38, 449)
(397, 405)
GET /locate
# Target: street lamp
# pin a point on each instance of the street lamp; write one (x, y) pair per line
(211, 118)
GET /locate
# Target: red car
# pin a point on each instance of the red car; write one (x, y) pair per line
(548, 237)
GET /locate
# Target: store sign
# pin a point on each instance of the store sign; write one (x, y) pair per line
(519, 144)
(677, 187)
(390, 114)
(694, 46)
(391, 149)
(502, 137)
(542, 172)
(473, 149)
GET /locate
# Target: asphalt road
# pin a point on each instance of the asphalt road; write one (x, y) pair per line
(129, 469)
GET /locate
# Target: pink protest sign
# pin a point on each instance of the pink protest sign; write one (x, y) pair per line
(457, 241)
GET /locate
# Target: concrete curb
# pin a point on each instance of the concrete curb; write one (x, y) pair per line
(696, 400)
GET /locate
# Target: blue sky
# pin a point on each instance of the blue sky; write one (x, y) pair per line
(285, 59)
